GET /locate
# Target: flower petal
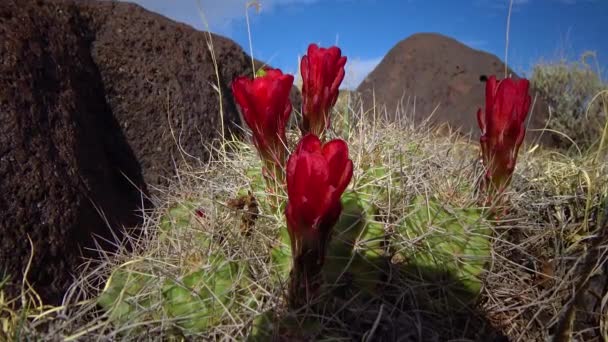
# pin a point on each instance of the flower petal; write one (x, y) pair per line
(317, 175)
(265, 104)
(336, 153)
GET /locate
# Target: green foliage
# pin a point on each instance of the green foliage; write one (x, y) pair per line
(568, 88)
(441, 244)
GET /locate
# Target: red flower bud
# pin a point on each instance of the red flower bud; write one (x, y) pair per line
(200, 213)
(317, 175)
(503, 127)
(266, 107)
(322, 72)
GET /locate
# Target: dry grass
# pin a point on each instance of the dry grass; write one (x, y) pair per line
(538, 248)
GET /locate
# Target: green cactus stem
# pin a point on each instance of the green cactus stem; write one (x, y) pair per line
(204, 297)
(438, 242)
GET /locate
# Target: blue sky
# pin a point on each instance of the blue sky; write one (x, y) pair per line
(367, 29)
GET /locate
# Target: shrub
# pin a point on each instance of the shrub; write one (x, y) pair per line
(568, 88)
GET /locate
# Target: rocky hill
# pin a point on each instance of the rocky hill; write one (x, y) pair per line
(431, 73)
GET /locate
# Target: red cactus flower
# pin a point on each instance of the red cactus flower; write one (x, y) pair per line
(322, 72)
(266, 107)
(503, 128)
(317, 175)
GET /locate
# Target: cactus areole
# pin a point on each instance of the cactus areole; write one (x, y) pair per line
(317, 175)
(503, 129)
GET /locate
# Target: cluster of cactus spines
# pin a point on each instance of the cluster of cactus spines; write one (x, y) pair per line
(447, 241)
(330, 231)
(205, 297)
(124, 296)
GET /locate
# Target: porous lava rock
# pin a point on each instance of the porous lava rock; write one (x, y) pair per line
(100, 101)
(162, 83)
(64, 161)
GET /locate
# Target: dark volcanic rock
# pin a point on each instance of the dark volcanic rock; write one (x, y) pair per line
(161, 83)
(434, 71)
(62, 154)
(159, 79)
(93, 93)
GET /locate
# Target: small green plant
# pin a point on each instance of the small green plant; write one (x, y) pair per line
(568, 87)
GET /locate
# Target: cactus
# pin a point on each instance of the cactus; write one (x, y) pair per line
(256, 180)
(281, 257)
(268, 326)
(257, 185)
(356, 248)
(372, 185)
(179, 219)
(124, 295)
(204, 297)
(445, 242)
(178, 216)
(378, 185)
(263, 327)
(129, 292)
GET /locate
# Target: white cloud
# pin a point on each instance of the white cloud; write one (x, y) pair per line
(218, 13)
(357, 70)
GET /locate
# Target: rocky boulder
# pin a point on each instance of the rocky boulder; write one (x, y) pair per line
(63, 157)
(99, 102)
(431, 73)
(162, 85)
